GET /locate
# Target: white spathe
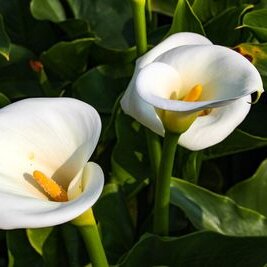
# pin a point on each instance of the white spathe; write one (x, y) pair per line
(56, 136)
(179, 63)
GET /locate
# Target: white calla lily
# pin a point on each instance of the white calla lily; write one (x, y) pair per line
(55, 137)
(167, 74)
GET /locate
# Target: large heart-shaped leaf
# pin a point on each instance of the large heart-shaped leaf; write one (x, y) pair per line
(23, 29)
(68, 59)
(251, 193)
(215, 26)
(210, 211)
(48, 10)
(209, 9)
(184, 19)
(257, 23)
(113, 25)
(101, 86)
(197, 249)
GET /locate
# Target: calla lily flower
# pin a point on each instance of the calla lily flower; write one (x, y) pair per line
(190, 86)
(45, 178)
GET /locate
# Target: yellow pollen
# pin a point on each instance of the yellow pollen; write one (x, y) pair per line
(194, 94)
(55, 191)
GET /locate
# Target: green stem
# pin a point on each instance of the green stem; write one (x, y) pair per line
(139, 17)
(153, 141)
(154, 151)
(149, 10)
(162, 194)
(92, 239)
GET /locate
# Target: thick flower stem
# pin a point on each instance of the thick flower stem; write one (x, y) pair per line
(92, 239)
(139, 14)
(154, 151)
(138, 7)
(162, 192)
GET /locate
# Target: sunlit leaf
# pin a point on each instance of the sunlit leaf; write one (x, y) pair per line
(37, 238)
(48, 10)
(3, 100)
(209, 9)
(251, 193)
(4, 40)
(184, 19)
(45, 242)
(257, 23)
(210, 211)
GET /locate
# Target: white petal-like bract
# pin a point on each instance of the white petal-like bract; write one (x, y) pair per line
(56, 136)
(175, 66)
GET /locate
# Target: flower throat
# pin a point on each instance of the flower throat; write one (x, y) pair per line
(50, 187)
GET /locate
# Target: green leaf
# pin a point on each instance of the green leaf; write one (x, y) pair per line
(238, 141)
(75, 28)
(75, 253)
(254, 123)
(251, 193)
(191, 168)
(129, 161)
(257, 23)
(68, 59)
(215, 26)
(114, 221)
(210, 211)
(17, 79)
(37, 238)
(20, 252)
(209, 9)
(165, 7)
(101, 86)
(4, 40)
(198, 249)
(4, 101)
(113, 25)
(45, 242)
(23, 29)
(103, 55)
(185, 19)
(48, 10)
